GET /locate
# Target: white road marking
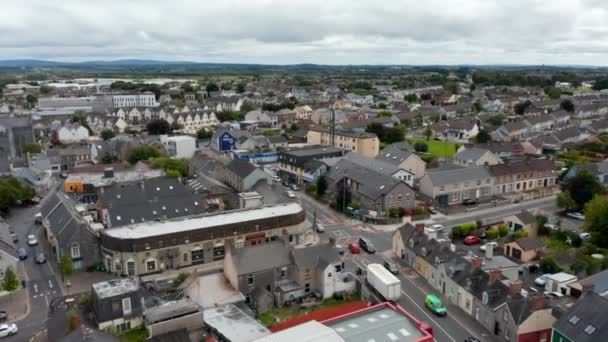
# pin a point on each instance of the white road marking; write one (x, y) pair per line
(50, 283)
(46, 300)
(35, 288)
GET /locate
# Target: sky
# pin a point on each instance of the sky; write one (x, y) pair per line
(309, 31)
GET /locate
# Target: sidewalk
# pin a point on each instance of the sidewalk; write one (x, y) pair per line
(16, 304)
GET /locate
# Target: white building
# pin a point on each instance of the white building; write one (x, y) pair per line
(139, 100)
(71, 133)
(182, 146)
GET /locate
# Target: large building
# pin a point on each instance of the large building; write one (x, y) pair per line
(147, 99)
(293, 162)
(366, 144)
(151, 247)
(15, 133)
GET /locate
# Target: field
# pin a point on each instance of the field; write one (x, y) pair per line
(440, 149)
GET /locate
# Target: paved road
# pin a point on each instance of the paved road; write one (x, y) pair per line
(41, 281)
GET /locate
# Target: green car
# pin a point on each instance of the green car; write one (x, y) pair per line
(433, 303)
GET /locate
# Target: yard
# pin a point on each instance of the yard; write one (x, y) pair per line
(441, 149)
(139, 334)
(290, 312)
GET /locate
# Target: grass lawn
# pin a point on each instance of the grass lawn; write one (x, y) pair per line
(556, 245)
(440, 149)
(136, 335)
(282, 314)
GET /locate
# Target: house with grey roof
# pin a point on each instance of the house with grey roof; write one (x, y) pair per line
(382, 167)
(117, 304)
(401, 154)
(8, 251)
(528, 177)
(455, 185)
(585, 321)
(600, 170)
(242, 175)
(475, 156)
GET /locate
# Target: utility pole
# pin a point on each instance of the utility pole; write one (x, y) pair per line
(332, 128)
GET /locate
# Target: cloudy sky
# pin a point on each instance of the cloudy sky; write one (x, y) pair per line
(309, 31)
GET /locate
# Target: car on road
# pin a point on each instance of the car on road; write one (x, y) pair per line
(367, 245)
(285, 183)
(319, 228)
(472, 339)
(469, 202)
(576, 215)
(276, 179)
(354, 248)
(482, 234)
(290, 194)
(435, 228)
(542, 280)
(8, 329)
(471, 240)
(22, 253)
(433, 303)
(432, 210)
(485, 246)
(3, 316)
(584, 236)
(341, 249)
(31, 240)
(40, 258)
(14, 237)
(38, 218)
(391, 267)
(551, 226)
(294, 187)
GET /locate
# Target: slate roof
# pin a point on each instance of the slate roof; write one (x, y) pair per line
(530, 243)
(586, 320)
(357, 135)
(472, 153)
(377, 165)
(528, 165)
(241, 167)
(451, 176)
(372, 184)
(595, 168)
(261, 257)
(318, 256)
(526, 217)
(395, 153)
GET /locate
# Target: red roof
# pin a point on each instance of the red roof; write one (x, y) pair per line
(320, 315)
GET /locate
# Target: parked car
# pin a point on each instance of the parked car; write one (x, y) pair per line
(276, 179)
(433, 303)
(8, 329)
(391, 267)
(38, 218)
(319, 228)
(584, 236)
(285, 183)
(22, 253)
(341, 249)
(482, 235)
(367, 245)
(576, 215)
(354, 248)
(290, 194)
(469, 202)
(31, 240)
(3, 316)
(40, 258)
(551, 226)
(554, 294)
(435, 228)
(485, 246)
(294, 187)
(542, 280)
(472, 240)
(472, 339)
(14, 237)
(432, 210)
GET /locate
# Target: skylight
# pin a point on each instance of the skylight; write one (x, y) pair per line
(590, 329)
(574, 320)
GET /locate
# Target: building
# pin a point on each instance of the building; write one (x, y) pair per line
(173, 316)
(292, 162)
(233, 323)
(366, 144)
(146, 99)
(525, 249)
(522, 221)
(475, 157)
(224, 141)
(198, 239)
(402, 155)
(533, 178)
(453, 186)
(179, 147)
(381, 166)
(15, 134)
(117, 305)
(242, 175)
(585, 321)
(600, 170)
(71, 133)
(559, 282)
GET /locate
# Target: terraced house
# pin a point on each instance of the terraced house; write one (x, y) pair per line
(530, 178)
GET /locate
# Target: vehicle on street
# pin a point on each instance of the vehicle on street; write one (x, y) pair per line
(391, 267)
(3, 316)
(294, 187)
(290, 194)
(14, 237)
(469, 202)
(542, 280)
(576, 215)
(40, 258)
(551, 226)
(485, 246)
(319, 228)
(432, 210)
(472, 339)
(482, 234)
(435, 228)
(341, 249)
(550, 294)
(472, 240)
(38, 218)
(584, 236)
(285, 183)
(354, 248)
(31, 240)
(433, 303)
(276, 179)
(22, 253)
(8, 329)
(367, 245)
(383, 281)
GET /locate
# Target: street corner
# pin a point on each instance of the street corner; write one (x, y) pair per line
(16, 304)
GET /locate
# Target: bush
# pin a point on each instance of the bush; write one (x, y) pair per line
(466, 228)
(503, 230)
(420, 211)
(180, 279)
(393, 212)
(520, 234)
(456, 232)
(421, 147)
(492, 234)
(311, 189)
(548, 265)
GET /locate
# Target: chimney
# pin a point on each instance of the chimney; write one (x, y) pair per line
(495, 275)
(539, 302)
(419, 227)
(515, 287)
(476, 262)
(489, 252)
(587, 287)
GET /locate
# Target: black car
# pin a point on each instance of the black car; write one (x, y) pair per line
(3, 316)
(366, 245)
(471, 339)
(469, 202)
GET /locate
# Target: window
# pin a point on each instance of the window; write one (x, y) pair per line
(250, 280)
(197, 255)
(338, 268)
(505, 316)
(543, 337)
(479, 182)
(115, 306)
(329, 275)
(185, 257)
(126, 306)
(151, 265)
(218, 253)
(75, 251)
(307, 287)
(442, 188)
(283, 272)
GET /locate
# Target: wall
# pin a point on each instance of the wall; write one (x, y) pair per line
(190, 322)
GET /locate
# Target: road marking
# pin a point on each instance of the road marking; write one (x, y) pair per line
(35, 288)
(46, 300)
(50, 283)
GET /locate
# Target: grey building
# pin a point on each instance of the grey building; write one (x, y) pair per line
(243, 175)
(585, 321)
(453, 186)
(117, 305)
(15, 134)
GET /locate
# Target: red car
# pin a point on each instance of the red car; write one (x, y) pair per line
(354, 248)
(472, 240)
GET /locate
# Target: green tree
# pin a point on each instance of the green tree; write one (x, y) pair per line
(451, 87)
(240, 88)
(31, 100)
(520, 234)
(12, 191)
(321, 186)
(582, 187)
(269, 133)
(107, 134)
(204, 133)
(541, 221)
(421, 147)
(548, 265)
(596, 220)
(492, 234)
(158, 126)
(66, 266)
(385, 114)
(141, 153)
(175, 127)
(211, 87)
(496, 120)
(483, 137)
(32, 148)
(567, 105)
(521, 107)
(411, 98)
(393, 135)
(381, 105)
(10, 282)
(503, 230)
(477, 106)
(393, 212)
(553, 92)
(565, 201)
(45, 89)
(428, 132)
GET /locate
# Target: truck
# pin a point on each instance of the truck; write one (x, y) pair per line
(383, 281)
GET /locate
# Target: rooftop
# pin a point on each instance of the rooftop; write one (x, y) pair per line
(116, 287)
(234, 324)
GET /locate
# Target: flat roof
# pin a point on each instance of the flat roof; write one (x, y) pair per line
(380, 324)
(212, 290)
(234, 324)
(312, 331)
(149, 229)
(116, 287)
(562, 277)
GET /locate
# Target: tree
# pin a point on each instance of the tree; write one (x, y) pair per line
(141, 153)
(596, 220)
(107, 134)
(477, 106)
(483, 137)
(503, 230)
(385, 114)
(582, 187)
(565, 201)
(175, 127)
(451, 87)
(158, 126)
(567, 105)
(10, 282)
(45, 89)
(541, 221)
(381, 105)
(32, 148)
(393, 212)
(107, 158)
(66, 266)
(211, 87)
(521, 107)
(411, 98)
(393, 135)
(204, 133)
(31, 100)
(492, 234)
(321, 186)
(269, 133)
(553, 92)
(12, 191)
(548, 265)
(421, 147)
(496, 120)
(428, 132)
(240, 88)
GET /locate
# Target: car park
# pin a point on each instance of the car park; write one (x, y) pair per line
(433, 303)
(366, 245)
(391, 267)
(485, 246)
(8, 329)
(31, 240)
(354, 248)
(471, 240)
(576, 215)
(22, 253)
